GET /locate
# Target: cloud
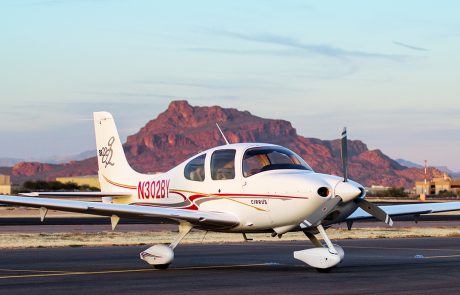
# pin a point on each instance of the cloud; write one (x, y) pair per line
(126, 94)
(409, 46)
(219, 84)
(188, 84)
(342, 69)
(321, 49)
(43, 3)
(59, 2)
(284, 53)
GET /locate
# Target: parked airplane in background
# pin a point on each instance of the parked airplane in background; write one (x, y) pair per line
(238, 188)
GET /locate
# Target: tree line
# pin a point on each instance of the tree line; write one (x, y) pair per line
(392, 192)
(41, 185)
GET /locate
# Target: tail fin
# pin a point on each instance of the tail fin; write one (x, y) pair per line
(115, 174)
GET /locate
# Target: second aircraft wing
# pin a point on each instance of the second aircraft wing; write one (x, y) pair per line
(409, 209)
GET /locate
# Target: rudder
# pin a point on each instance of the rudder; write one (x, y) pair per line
(111, 159)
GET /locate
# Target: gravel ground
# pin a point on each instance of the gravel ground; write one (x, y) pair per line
(109, 238)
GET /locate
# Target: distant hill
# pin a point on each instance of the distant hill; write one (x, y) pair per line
(408, 164)
(10, 162)
(65, 159)
(183, 130)
(443, 169)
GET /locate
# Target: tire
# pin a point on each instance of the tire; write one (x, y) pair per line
(161, 266)
(324, 270)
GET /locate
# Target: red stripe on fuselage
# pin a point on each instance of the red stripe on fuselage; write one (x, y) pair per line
(190, 207)
(260, 196)
(119, 184)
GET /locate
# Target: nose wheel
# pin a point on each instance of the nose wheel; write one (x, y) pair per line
(324, 270)
(161, 266)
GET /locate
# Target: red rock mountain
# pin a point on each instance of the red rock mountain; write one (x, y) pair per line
(183, 130)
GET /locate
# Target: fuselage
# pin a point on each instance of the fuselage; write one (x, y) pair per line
(265, 186)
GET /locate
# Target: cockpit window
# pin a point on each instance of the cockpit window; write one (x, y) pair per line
(194, 170)
(223, 164)
(262, 159)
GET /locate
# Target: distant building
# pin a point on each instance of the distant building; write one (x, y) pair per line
(377, 188)
(438, 184)
(91, 180)
(5, 185)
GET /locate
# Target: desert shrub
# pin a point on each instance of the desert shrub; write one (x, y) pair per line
(447, 194)
(41, 185)
(394, 192)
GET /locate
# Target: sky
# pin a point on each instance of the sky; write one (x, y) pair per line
(388, 70)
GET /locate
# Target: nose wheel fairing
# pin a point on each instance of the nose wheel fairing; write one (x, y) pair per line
(322, 257)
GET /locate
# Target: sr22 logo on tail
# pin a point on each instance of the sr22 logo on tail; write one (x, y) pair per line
(106, 153)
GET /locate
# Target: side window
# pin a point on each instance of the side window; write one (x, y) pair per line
(280, 158)
(194, 170)
(253, 164)
(223, 164)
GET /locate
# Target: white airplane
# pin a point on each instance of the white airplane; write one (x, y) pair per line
(236, 188)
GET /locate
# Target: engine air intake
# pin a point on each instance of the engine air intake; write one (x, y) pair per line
(323, 192)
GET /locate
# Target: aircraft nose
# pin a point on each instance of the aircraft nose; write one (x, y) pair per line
(347, 191)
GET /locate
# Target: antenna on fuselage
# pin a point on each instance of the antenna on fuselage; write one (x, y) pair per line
(344, 154)
(223, 135)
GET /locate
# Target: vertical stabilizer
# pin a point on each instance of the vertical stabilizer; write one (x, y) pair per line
(115, 174)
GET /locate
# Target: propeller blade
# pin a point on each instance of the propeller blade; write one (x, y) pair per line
(344, 154)
(374, 210)
(316, 218)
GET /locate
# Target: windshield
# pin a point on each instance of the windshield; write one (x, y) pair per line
(262, 159)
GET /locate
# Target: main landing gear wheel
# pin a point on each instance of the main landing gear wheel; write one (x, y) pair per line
(161, 266)
(160, 256)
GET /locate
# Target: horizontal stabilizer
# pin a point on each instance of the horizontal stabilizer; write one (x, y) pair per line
(77, 194)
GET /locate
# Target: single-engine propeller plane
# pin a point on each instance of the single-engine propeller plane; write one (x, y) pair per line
(237, 188)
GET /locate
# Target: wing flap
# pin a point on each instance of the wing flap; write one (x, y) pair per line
(409, 209)
(199, 218)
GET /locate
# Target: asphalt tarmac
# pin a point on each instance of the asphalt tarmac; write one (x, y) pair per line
(417, 266)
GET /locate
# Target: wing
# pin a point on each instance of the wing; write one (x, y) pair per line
(203, 219)
(409, 209)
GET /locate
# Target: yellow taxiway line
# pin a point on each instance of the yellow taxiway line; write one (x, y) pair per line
(401, 248)
(440, 256)
(32, 270)
(76, 273)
